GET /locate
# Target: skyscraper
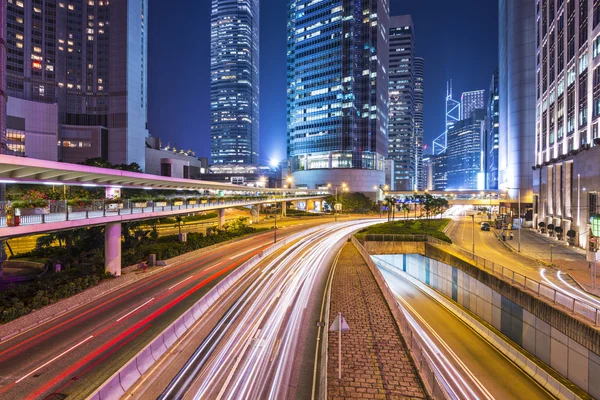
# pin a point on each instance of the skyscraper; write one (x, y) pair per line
(337, 92)
(2, 79)
(492, 129)
(419, 98)
(234, 81)
(402, 143)
(471, 101)
(464, 152)
(566, 175)
(516, 76)
(81, 68)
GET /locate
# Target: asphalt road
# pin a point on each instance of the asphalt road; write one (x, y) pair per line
(489, 247)
(73, 354)
(264, 346)
(475, 359)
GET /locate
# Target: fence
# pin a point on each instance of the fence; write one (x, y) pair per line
(437, 388)
(574, 305)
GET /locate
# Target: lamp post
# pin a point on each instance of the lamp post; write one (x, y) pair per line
(473, 233)
(519, 213)
(344, 189)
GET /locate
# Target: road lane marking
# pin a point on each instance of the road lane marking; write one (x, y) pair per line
(245, 252)
(55, 358)
(214, 266)
(189, 277)
(135, 309)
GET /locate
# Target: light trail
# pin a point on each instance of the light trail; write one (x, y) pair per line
(249, 354)
(574, 292)
(135, 309)
(455, 382)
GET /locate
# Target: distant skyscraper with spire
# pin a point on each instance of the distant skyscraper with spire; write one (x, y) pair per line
(234, 81)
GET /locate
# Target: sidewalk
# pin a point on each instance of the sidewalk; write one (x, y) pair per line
(569, 259)
(375, 364)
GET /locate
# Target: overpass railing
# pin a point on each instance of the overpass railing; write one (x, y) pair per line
(553, 293)
(16, 213)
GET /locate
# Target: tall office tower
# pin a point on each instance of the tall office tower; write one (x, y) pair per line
(2, 78)
(464, 153)
(439, 171)
(567, 145)
(516, 77)
(471, 101)
(338, 92)
(402, 145)
(452, 116)
(77, 76)
(492, 129)
(234, 89)
(419, 98)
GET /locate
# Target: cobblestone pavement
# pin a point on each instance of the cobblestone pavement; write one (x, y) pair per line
(375, 363)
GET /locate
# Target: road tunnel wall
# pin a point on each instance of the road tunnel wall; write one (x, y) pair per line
(564, 343)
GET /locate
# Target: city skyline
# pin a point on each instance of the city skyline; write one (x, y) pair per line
(185, 101)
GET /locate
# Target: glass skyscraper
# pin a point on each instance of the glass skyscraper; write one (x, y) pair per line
(337, 92)
(419, 97)
(234, 81)
(402, 140)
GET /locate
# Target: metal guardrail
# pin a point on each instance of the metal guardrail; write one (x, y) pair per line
(61, 211)
(575, 306)
(437, 388)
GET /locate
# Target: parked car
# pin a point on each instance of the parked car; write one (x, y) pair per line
(485, 226)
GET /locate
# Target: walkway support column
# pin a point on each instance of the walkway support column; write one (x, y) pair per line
(221, 218)
(112, 248)
(283, 209)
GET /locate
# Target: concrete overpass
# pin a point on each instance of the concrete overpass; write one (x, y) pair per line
(59, 215)
(457, 197)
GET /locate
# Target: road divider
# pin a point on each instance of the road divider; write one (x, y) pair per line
(122, 380)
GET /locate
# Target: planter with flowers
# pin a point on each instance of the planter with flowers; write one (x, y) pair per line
(80, 205)
(114, 204)
(160, 201)
(178, 201)
(32, 203)
(192, 201)
(139, 202)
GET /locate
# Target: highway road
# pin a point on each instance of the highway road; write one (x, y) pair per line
(74, 353)
(264, 345)
(478, 370)
(488, 246)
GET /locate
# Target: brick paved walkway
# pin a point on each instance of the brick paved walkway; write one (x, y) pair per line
(375, 364)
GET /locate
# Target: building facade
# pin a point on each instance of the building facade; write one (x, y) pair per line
(471, 101)
(567, 147)
(516, 76)
(234, 88)
(401, 144)
(464, 153)
(88, 58)
(492, 134)
(337, 112)
(419, 99)
(439, 171)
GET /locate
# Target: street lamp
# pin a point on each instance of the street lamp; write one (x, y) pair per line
(344, 189)
(519, 212)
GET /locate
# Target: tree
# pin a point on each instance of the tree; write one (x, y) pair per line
(102, 163)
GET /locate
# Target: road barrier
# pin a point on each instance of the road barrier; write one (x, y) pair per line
(122, 380)
(537, 373)
(556, 296)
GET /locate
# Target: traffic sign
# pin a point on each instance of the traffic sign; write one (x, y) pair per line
(335, 326)
(338, 206)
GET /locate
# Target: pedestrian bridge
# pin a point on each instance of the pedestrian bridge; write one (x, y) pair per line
(490, 198)
(22, 218)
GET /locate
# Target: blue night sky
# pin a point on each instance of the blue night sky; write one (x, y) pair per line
(458, 40)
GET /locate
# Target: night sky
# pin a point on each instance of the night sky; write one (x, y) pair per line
(457, 39)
